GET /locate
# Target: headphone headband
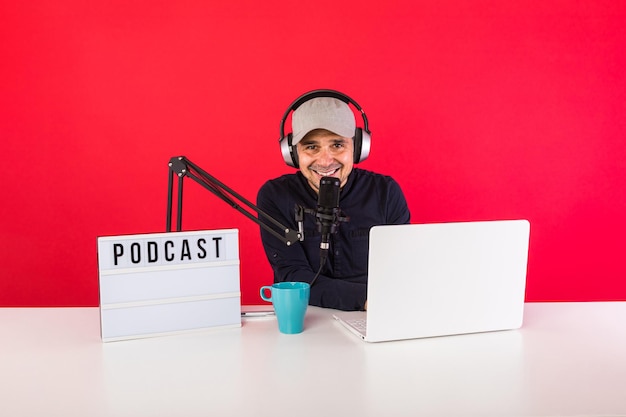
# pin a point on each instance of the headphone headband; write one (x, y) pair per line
(321, 93)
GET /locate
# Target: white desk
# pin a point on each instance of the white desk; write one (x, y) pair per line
(568, 360)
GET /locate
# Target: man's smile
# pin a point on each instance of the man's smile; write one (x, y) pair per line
(325, 172)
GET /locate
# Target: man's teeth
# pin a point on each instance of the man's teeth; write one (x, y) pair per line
(327, 173)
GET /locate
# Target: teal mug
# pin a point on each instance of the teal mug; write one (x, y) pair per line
(290, 300)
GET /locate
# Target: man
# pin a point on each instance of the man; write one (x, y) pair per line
(323, 139)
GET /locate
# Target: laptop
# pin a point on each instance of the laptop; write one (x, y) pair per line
(427, 280)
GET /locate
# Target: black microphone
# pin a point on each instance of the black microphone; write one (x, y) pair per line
(327, 212)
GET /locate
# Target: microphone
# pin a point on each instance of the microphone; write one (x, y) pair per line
(327, 213)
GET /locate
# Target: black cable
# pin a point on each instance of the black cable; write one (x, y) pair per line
(323, 256)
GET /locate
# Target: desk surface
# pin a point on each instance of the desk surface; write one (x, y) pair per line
(568, 360)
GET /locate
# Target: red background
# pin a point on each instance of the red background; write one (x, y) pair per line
(480, 110)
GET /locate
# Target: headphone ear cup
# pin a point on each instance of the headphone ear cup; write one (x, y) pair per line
(357, 142)
(362, 141)
(294, 156)
(366, 142)
(290, 155)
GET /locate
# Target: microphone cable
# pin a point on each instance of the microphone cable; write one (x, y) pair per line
(323, 257)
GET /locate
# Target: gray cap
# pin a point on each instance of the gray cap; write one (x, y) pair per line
(322, 113)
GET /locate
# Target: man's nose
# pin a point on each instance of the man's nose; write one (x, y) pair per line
(326, 156)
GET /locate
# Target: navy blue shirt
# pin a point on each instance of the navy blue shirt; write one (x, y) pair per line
(368, 199)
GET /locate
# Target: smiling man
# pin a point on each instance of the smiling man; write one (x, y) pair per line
(323, 144)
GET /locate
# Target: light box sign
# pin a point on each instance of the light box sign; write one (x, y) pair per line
(164, 283)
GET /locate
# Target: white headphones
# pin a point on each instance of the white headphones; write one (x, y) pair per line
(362, 136)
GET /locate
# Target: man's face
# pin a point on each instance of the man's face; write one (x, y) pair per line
(325, 154)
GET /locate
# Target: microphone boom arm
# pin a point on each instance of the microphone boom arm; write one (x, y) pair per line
(182, 167)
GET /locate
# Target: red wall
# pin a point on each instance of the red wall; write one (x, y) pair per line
(481, 110)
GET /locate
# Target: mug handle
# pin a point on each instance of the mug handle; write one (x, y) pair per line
(269, 288)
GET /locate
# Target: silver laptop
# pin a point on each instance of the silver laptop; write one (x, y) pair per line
(427, 280)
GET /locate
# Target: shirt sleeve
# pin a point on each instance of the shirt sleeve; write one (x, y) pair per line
(397, 207)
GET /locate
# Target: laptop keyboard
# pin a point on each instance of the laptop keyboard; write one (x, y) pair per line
(359, 324)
